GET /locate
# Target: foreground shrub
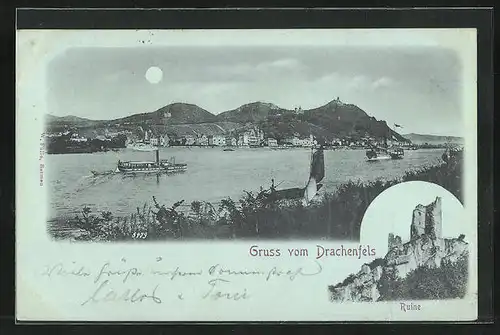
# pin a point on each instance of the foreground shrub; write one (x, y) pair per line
(446, 282)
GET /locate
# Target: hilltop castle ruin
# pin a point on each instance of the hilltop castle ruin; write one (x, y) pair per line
(426, 220)
(426, 247)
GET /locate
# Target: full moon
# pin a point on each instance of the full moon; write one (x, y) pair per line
(154, 75)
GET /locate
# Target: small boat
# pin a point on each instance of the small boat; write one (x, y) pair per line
(104, 173)
(147, 167)
(377, 154)
(141, 147)
(308, 193)
(397, 153)
(228, 149)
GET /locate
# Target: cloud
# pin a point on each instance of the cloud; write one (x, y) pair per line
(280, 64)
(117, 76)
(362, 82)
(250, 72)
(329, 78)
(382, 82)
(229, 72)
(358, 82)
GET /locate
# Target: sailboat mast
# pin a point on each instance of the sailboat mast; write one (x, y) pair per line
(311, 160)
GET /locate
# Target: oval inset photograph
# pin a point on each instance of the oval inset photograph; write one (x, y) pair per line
(409, 209)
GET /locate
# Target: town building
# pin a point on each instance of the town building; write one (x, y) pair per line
(336, 142)
(261, 135)
(219, 140)
(243, 140)
(289, 141)
(308, 142)
(272, 142)
(190, 140)
(147, 136)
(254, 137)
(164, 140)
(76, 138)
(158, 139)
(231, 141)
(300, 142)
(202, 140)
(253, 141)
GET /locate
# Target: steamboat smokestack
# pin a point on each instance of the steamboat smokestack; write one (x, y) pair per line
(157, 156)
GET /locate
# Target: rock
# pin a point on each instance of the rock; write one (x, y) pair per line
(365, 269)
(377, 273)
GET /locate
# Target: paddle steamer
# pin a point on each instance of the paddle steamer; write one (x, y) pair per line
(157, 166)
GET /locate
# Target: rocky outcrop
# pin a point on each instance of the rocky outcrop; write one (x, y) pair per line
(360, 287)
(426, 247)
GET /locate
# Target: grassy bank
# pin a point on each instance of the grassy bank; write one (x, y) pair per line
(337, 216)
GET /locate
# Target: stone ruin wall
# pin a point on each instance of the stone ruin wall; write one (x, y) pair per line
(427, 220)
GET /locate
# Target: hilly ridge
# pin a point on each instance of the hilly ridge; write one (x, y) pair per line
(56, 123)
(253, 112)
(332, 120)
(349, 120)
(433, 139)
(176, 113)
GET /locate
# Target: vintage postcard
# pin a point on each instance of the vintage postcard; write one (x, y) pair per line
(246, 175)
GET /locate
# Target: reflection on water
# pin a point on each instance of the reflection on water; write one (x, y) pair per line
(213, 174)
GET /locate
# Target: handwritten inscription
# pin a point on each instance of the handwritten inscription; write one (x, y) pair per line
(219, 270)
(118, 282)
(172, 274)
(108, 271)
(215, 293)
(106, 294)
(60, 270)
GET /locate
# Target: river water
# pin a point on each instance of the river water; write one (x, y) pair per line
(213, 174)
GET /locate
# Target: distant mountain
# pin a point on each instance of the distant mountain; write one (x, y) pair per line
(334, 119)
(67, 119)
(349, 120)
(176, 113)
(252, 112)
(59, 122)
(433, 139)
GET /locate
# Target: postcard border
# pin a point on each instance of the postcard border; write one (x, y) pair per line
(480, 19)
